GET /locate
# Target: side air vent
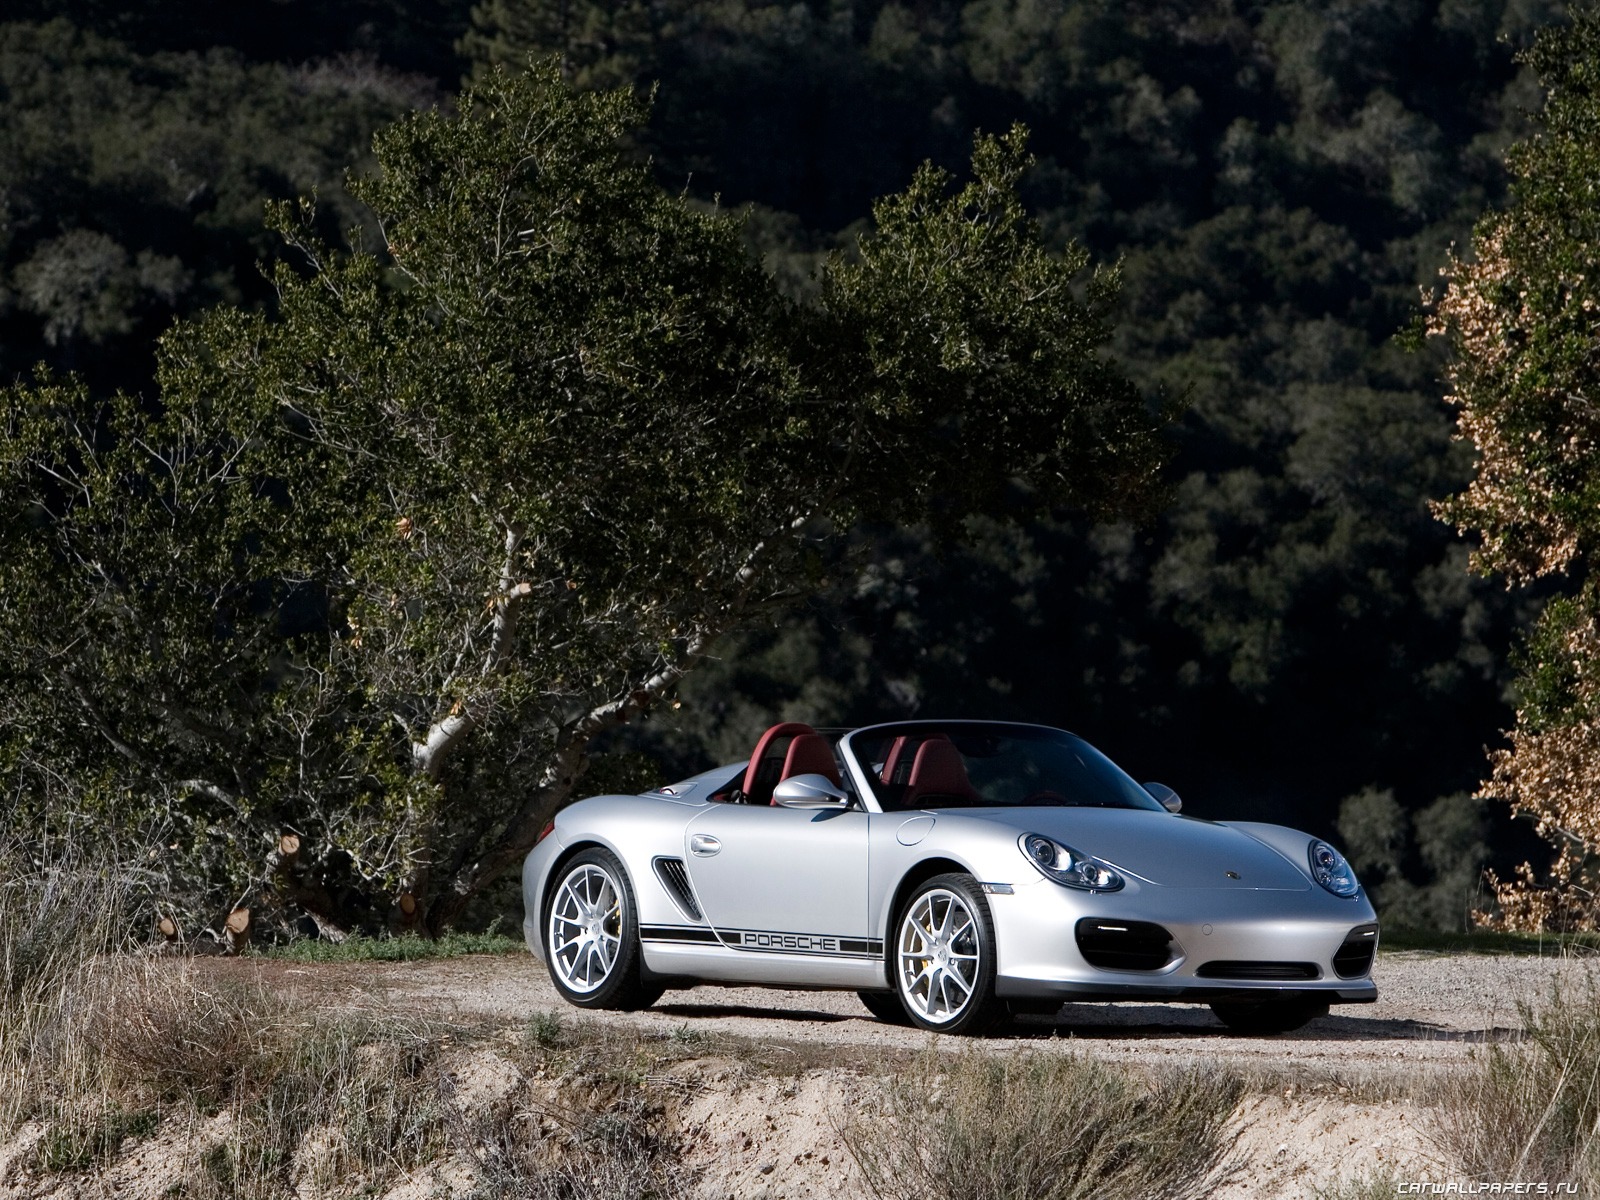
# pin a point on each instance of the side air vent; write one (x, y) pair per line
(1354, 958)
(675, 879)
(1258, 970)
(1124, 945)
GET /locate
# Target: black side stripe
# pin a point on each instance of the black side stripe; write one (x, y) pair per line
(675, 933)
(771, 941)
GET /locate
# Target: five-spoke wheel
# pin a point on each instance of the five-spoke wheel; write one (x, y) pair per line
(944, 957)
(592, 935)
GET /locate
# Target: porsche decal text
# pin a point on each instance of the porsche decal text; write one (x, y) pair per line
(790, 941)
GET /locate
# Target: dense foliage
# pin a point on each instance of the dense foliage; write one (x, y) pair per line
(1278, 177)
(390, 557)
(1521, 314)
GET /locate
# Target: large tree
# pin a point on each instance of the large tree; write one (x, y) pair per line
(377, 568)
(1522, 314)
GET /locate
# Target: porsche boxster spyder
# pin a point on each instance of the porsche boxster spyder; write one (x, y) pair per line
(950, 872)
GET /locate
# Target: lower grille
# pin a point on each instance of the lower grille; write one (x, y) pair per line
(1124, 945)
(1222, 969)
(675, 879)
(1354, 957)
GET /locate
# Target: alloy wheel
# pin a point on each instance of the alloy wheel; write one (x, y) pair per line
(938, 956)
(585, 928)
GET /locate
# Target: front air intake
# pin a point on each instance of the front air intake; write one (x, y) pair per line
(675, 879)
(1221, 969)
(1124, 945)
(1354, 958)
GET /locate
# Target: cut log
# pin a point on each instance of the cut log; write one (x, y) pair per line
(236, 930)
(288, 848)
(168, 929)
(405, 914)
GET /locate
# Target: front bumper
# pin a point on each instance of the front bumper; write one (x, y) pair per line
(1212, 930)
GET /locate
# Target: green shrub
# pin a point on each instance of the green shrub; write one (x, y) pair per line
(406, 948)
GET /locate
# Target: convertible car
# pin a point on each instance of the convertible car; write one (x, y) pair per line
(950, 872)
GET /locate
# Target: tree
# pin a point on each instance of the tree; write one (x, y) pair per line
(605, 44)
(134, 185)
(1521, 316)
(381, 566)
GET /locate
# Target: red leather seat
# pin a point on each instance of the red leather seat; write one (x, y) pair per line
(810, 754)
(767, 763)
(897, 766)
(896, 762)
(938, 777)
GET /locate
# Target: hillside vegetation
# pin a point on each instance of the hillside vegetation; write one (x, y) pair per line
(1293, 637)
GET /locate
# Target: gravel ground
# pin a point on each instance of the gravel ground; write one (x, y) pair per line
(1432, 1009)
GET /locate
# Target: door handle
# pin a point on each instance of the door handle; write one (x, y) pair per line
(703, 845)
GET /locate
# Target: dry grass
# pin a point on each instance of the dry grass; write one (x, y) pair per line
(1366, 1185)
(267, 1096)
(305, 1100)
(59, 918)
(272, 1097)
(147, 1045)
(1034, 1126)
(1531, 1109)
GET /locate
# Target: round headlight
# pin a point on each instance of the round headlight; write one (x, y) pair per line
(1066, 866)
(1329, 868)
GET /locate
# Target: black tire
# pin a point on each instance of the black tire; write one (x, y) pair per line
(593, 897)
(967, 957)
(886, 1007)
(1268, 1016)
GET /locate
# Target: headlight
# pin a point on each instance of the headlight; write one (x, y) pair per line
(1066, 866)
(1329, 868)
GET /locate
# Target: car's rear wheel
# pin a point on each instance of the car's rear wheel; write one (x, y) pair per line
(886, 1007)
(1268, 1016)
(944, 957)
(591, 935)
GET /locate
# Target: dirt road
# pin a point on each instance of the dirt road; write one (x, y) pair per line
(1432, 1009)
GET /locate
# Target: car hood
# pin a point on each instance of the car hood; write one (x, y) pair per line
(1158, 848)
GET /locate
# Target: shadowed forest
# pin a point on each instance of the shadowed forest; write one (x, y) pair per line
(1291, 637)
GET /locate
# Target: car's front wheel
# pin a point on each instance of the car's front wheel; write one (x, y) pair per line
(944, 957)
(1268, 1016)
(591, 935)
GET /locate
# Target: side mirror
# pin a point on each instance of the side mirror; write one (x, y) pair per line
(1165, 796)
(810, 791)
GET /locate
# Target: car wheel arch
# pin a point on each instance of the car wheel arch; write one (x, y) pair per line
(918, 874)
(553, 876)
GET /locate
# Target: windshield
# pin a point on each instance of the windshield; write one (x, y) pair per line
(981, 765)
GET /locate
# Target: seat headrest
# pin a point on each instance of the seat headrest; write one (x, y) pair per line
(938, 770)
(762, 775)
(897, 764)
(810, 754)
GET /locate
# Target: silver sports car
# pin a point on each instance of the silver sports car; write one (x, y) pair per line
(949, 872)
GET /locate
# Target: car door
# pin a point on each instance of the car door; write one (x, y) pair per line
(784, 880)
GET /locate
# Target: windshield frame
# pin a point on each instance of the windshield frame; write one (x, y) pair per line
(871, 788)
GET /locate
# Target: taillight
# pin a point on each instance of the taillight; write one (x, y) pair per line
(549, 828)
